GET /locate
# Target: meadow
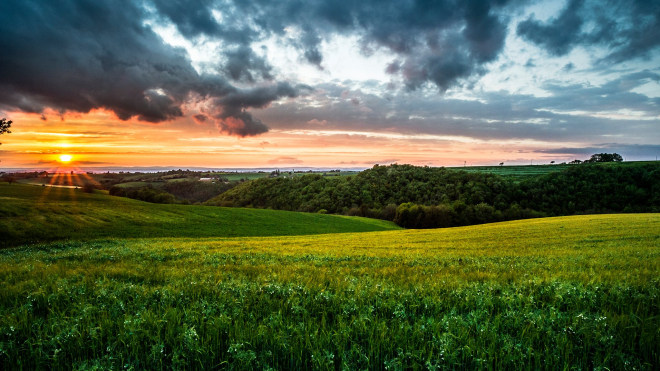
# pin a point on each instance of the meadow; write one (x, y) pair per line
(33, 214)
(579, 292)
(520, 172)
(517, 172)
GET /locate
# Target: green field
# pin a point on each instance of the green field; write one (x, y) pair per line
(62, 180)
(143, 184)
(239, 176)
(527, 171)
(516, 171)
(31, 214)
(580, 292)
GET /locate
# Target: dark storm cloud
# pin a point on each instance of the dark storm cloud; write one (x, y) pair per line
(243, 64)
(199, 118)
(393, 67)
(195, 18)
(627, 29)
(234, 107)
(560, 34)
(79, 55)
(439, 42)
(309, 43)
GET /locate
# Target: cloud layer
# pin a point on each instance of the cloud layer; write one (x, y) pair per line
(440, 42)
(83, 55)
(627, 29)
(80, 55)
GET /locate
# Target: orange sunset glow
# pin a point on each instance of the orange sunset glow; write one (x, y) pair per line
(99, 139)
(342, 96)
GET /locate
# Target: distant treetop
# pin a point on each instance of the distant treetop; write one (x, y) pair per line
(4, 126)
(605, 157)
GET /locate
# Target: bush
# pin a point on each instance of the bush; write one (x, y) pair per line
(89, 187)
(388, 212)
(8, 179)
(354, 211)
(164, 198)
(117, 191)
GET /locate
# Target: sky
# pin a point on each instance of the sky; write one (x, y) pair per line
(327, 83)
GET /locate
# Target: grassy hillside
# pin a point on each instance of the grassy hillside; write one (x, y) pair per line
(557, 293)
(30, 214)
(520, 172)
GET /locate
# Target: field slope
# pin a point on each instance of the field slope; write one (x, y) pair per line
(579, 292)
(30, 214)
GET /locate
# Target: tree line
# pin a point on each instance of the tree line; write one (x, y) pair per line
(424, 197)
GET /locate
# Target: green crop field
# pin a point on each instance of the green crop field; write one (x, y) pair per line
(527, 171)
(516, 171)
(139, 184)
(579, 292)
(60, 179)
(239, 176)
(30, 214)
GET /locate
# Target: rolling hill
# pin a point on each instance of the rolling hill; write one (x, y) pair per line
(33, 214)
(554, 293)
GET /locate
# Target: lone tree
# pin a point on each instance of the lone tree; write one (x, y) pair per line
(4, 126)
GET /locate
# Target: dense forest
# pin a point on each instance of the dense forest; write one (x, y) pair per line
(424, 197)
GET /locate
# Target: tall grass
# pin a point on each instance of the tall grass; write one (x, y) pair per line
(557, 293)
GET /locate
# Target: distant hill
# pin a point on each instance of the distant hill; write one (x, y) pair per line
(463, 197)
(31, 214)
(376, 187)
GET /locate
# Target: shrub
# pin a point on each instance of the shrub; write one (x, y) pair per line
(388, 212)
(116, 191)
(89, 187)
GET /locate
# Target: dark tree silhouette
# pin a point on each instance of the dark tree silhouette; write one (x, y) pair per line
(605, 157)
(89, 187)
(4, 126)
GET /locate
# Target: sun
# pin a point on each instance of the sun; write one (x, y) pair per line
(65, 158)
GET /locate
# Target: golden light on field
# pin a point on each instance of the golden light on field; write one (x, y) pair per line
(65, 158)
